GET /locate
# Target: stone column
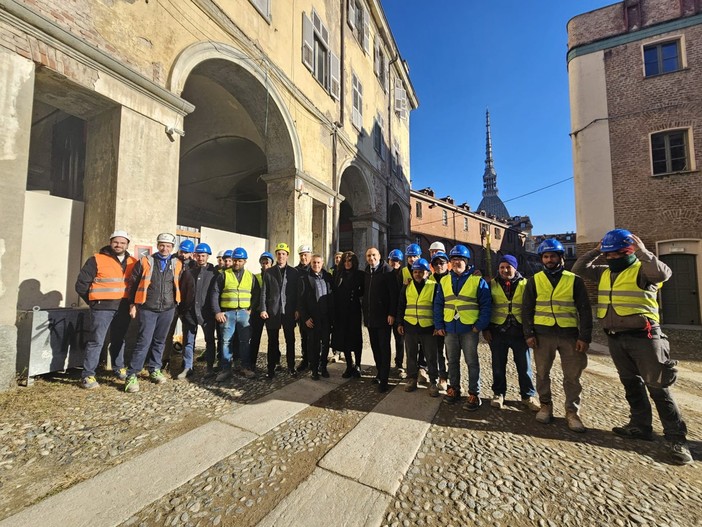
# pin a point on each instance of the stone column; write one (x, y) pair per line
(16, 99)
(282, 200)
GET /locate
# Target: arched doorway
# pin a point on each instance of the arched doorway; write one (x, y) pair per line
(357, 230)
(397, 234)
(236, 137)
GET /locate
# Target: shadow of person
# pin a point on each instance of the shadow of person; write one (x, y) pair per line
(30, 296)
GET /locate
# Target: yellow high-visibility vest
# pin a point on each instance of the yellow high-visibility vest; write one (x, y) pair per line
(419, 308)
(502, 306)
(625, 296)
(465, 303)
(555, 307)
(236, 295)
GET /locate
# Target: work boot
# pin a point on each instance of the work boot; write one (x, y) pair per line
(532, 403)
(248, 374)
(680, 452)
(452, 395)
(574, 421)
(633, 432)
(433, 390)
(411, 385)
(224, 375)
(545, 413)
(303, 366)
(473, 402)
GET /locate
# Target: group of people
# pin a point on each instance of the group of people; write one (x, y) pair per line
(436, 308)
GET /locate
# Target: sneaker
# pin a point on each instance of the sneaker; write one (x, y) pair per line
(293, 373)
(348, 373)
(443, 383)
(89, 383)
(121, 374)
(680, 453)
(545, 413)
(210, 373)
(248, 374)
(433, 390)
(411, 385)
(270, 374)
(452, 395)
(356, 372)
(633, 432)
(383, 387)
(401, 373)
(423, 375)
(473, 403)
(324, 373)
(574, 422)
(498, 401)
(315, 376)
(132, 384)
(187, 372)
(157, 376)
(532, 403)
(224, 375)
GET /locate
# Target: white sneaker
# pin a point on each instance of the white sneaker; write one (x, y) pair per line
(545, 413)
(498, 401)
(532, 403)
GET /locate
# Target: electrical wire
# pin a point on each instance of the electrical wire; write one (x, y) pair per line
(539, 189)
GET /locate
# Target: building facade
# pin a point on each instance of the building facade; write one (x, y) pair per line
(635, 70)
(266, 119)
(569, 241)
(440, 219)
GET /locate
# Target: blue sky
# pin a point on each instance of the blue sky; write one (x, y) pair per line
(509, 56)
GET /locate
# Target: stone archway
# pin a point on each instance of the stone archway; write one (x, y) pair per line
(357, 230)
(397, 232)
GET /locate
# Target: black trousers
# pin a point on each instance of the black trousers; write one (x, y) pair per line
(257, 324)
(304, 342)
(380, 344)
(273, 325)
(399, 347)
(318, 344)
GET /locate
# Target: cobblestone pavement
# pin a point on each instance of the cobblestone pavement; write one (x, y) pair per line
(489, 467)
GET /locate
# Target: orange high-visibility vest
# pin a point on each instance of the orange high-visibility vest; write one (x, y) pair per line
(147, 269)
(110, 282)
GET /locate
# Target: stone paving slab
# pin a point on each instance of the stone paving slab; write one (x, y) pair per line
(113, 496)
(379, 450)
(326, 499)
(268, 412)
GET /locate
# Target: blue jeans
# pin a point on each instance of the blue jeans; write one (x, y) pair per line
(468, 342)
(151, 340)
(189, 335)
(237, 323)
(117, 322)
(500, 345)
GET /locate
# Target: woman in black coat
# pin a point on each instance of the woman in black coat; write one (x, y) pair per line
(346, 332)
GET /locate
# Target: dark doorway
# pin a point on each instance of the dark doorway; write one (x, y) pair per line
(680, 294)
(345, 227)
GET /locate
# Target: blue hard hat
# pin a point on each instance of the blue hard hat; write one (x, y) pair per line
(616, 240)
(422, 265)
(203, 248)
(266, 255)
(396, 254)
(187, 246)
(550, 245)
(413, 249)
(240, 254)
(461, 251)
(227, 254)
(439, 255)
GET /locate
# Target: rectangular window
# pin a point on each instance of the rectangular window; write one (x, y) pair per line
(317, 56)
(444, 217)
(400, 99)
(359, 21)
(378, 139)
(357, 113)
(662, 58)
(263, 7)
(465, 224)
(419, 210)
(670, 152)
(380, 64)
(498, 233)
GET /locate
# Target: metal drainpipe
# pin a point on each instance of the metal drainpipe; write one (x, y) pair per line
(335, 130)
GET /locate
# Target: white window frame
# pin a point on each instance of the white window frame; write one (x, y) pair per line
(465, 224)
(263, 7)
(326, 69)
(356, 102)
(380, 63)
(400, 99)
(444, 217)
(358, 18)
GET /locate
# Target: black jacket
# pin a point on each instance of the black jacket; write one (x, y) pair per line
(271, 301)
(160, 296)
(380, 294)
(87, 275)
(200, 309)
(308, 304)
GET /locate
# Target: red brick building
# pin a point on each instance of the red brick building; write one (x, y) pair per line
(635, 71)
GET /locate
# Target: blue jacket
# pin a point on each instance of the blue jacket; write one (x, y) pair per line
(484, 305)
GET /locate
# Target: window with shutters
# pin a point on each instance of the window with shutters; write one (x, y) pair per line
(419, 210)
(465, 224)
(395, 161)
(380, 64)
(357, 110)
(317, 55)
(359, 20)
(670, 152)
(400, 99)
(662, 57)
(378, 139)
(263, 7)
(444, 217)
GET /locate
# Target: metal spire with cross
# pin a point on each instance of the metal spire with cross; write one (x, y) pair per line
(491, 202)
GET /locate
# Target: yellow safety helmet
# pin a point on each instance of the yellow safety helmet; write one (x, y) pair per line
(283, 247)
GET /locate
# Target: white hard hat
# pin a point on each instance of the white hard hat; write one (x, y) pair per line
(166, 237)
(437, 246)
(121, 234)
(220, 254)
(304, 249)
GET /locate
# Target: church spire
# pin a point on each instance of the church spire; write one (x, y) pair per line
(490, 175)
